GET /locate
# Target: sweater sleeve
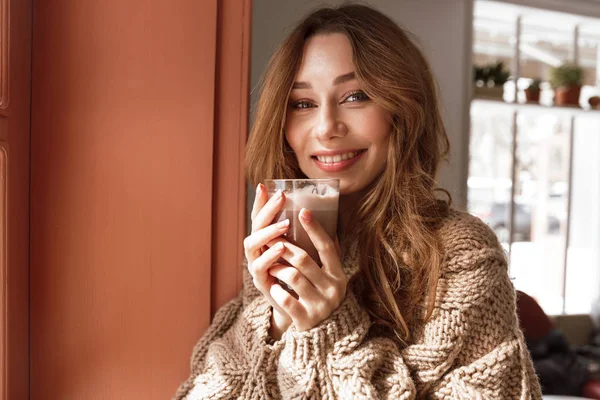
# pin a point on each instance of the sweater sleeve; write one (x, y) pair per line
(335, 360)
(226, 356)
(199, 384)
(473, 348)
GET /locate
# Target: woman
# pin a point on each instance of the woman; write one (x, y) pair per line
(414, 301)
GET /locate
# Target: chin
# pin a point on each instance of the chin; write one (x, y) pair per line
(349, 187)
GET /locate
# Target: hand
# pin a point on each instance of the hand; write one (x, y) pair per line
(261, 257)
(320, 290)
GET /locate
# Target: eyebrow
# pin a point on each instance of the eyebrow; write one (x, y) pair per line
(337, 81)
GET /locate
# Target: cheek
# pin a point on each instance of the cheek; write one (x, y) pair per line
(296, 132)
(291, 140)
(291, 131)
(374, 121)
(379, 130)
(380, 156)
(295, 141)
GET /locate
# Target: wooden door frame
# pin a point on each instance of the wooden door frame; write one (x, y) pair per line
(232, 92)
(15, 134)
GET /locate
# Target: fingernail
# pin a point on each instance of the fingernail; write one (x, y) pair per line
(306, 215)
(278, 247)
(283, 224)
(258, 189)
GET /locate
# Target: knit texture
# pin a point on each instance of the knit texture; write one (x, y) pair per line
(471, 348)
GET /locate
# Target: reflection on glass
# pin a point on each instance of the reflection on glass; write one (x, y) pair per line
(489, 183)
(583, 262)
(589, 59)
(541, 49)
(544, 223)
(494, 41)
(537, 254)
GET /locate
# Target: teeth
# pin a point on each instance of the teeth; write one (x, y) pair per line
(337, 158)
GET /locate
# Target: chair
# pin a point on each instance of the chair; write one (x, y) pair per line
(561, 370)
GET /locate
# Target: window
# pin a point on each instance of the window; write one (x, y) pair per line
(534, 174)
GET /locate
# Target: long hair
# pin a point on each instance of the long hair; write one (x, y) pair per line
(400, 252)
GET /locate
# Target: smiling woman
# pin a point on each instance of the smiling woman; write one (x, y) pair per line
(333, 127)
(413, 300)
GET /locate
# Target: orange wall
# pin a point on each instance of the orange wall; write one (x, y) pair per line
(121, 195)
(14, 219)
(231, 127)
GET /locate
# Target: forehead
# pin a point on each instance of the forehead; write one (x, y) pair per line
(326, 55)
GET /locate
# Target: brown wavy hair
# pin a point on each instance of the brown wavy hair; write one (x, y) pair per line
(399, 251)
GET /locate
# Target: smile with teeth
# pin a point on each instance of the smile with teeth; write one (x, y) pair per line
(338, 157)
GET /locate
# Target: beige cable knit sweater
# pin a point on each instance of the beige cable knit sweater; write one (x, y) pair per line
(471, 348)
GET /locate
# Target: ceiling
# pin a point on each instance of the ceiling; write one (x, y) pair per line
(551, 20)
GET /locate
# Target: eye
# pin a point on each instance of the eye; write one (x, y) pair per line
(302, 105)
(357, 96)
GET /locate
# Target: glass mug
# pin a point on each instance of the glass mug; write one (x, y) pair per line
(319, 196)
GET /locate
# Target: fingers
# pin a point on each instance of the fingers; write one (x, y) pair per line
(298, 282)
(319, 294)
(259, 200)
(299, 259)
(328, 251)
(261, 279)
(258, 268)
(287, 303)
(267, 213)
(254, 244)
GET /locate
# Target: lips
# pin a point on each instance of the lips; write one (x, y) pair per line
(337, 162)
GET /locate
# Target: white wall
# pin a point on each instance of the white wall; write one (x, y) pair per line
(444, 31)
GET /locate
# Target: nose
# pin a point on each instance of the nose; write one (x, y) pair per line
(329, 125)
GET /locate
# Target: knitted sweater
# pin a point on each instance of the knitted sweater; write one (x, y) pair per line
(471, 348)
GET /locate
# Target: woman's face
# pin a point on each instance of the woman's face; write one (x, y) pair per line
(335, 130)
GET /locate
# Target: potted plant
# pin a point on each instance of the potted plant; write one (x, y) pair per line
(498, 74)
(479, 79)
(532, 93)
(489, 80)
(566, 81)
